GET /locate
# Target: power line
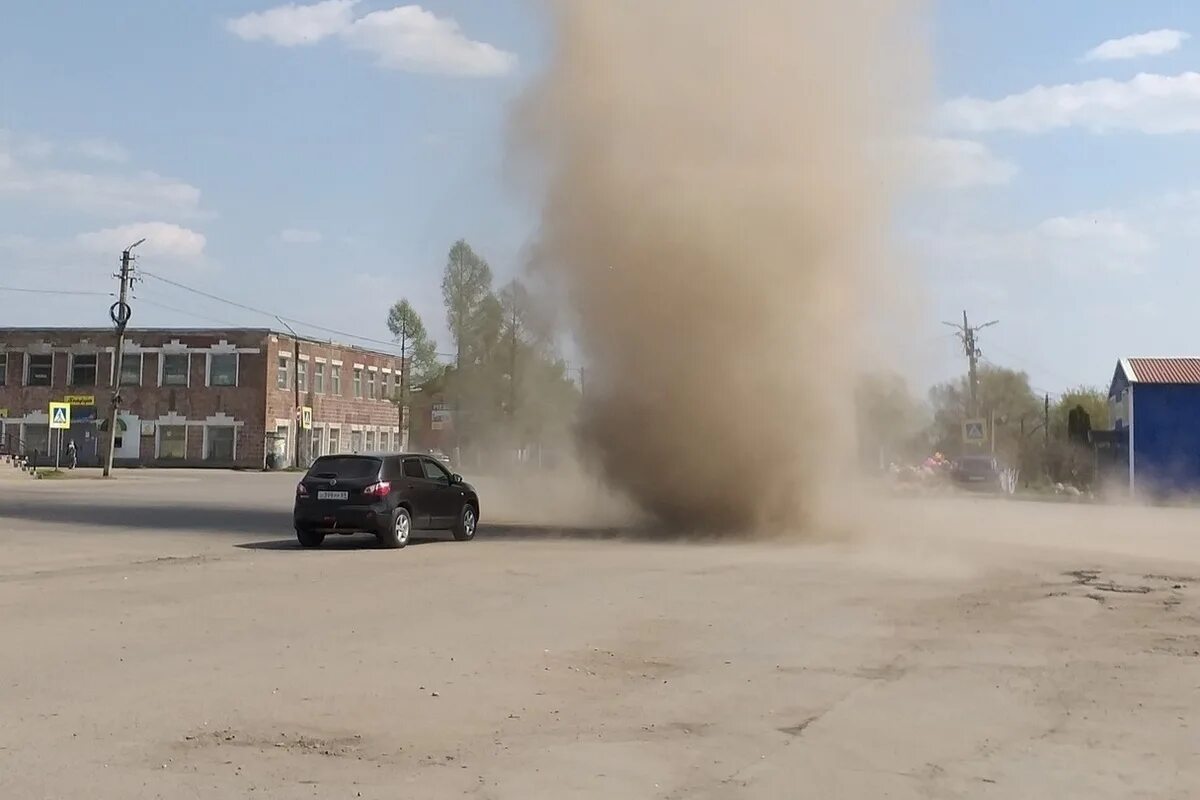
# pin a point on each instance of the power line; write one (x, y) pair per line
(244, 307)
(1030, 363)
(55, 291)
(141, 298)
(1038, 389)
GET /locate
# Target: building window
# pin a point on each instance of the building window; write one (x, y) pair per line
(40, 370)
(222, 369)
(370, 441)
(175, 369)
(281, 373)
(131, 369)
(219, 443)
(385, 441)
(355, 441)
(283, 435)
(319, 378)
(172, 442)
(302, 375)
(358, 383)
(3, 368)
(335, 380)
(318, 436)
(83, 370)
(371, 385)
(36, 438)
(335, 441)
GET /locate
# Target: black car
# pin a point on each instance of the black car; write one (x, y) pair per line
(388, 494)
(977, 471)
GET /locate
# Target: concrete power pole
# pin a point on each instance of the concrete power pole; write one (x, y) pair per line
(296, 413)
(403, 384)
(968, 335)
(119, 312)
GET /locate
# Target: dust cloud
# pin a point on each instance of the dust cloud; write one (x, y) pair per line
(716, 197)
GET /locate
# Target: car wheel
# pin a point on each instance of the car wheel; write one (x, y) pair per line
(468, 522)
(398, 531)
(309, 538)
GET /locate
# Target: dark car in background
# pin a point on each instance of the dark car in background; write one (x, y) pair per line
(977, 472)
(390, 495)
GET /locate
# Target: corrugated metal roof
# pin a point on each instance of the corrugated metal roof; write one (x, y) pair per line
(1164, 370)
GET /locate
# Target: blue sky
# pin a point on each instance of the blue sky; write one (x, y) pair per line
(319, 161)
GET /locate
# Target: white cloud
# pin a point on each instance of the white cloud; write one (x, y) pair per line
(959, 163)
(407, 38)
(295, 24)
(31, 147)
(300, 236)
(1154, 43)
(163, 240)
(1082, 244)
(413, 39)
(1156, 104)
(102, 150)
(105, 194)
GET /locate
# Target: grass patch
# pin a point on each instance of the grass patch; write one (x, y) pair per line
(51, 473)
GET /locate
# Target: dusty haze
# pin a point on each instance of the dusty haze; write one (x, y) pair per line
(715, 209)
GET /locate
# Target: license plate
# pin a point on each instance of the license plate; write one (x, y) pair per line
(333, 495)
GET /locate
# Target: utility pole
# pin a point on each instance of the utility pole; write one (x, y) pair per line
(296, 389)
(1046, 422)
(403, 383)
(512, 366)
(583, 381)
(968, 335)
(120, 313)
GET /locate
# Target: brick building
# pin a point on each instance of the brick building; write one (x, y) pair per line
(211, 397)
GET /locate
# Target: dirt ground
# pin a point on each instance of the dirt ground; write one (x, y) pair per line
(163, 637)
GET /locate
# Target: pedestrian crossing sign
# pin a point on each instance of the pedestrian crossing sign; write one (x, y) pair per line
(975, 431)
(60, 416)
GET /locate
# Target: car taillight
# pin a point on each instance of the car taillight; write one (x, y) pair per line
(301, 490)
(380, 489)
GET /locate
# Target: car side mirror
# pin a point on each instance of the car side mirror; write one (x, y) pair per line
(456, 479)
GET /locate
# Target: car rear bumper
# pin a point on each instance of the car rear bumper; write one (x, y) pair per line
(344, 519)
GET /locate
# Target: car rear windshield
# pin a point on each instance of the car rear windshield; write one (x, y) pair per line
(347, 467)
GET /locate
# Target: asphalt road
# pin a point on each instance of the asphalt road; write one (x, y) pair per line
(164, 637)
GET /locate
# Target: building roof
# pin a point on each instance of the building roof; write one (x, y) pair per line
(1162, 370)
(213, 331)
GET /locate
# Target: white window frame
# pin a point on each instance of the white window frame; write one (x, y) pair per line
(204, 440)
(356, 379)
(372, 383)
(158, 437)
(335, 379)
(318, 377)
(302, 369)
(162, 370)
(71, 371)
(28, 368)
(286, 359)
(329, 441)
(237, 369)
(141, 358)
(4, 357)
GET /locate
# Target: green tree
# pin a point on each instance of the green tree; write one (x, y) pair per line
(407, 326)
(892, 424)
(470, 305)
(1094, 401)
(1004, 395)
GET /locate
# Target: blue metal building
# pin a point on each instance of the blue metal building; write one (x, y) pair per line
(1155, 408)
